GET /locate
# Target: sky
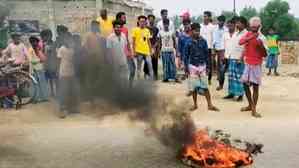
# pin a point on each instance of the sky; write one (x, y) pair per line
(198, 6)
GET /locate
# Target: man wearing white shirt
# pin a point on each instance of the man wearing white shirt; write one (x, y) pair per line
(164, 16)
(234, 53)
(206, 31)
(218, 45)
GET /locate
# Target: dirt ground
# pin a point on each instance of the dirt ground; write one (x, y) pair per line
(34, 137)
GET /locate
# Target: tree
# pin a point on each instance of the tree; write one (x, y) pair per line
(248, 12)
(176, 21)
(228, 14)
(276, 15)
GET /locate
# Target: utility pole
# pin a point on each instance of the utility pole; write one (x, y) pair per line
(51, 14)
(235, 12)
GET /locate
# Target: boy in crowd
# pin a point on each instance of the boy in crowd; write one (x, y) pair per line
(68, 86)
(206, 31)
(197, 53)
(164, 16)
(142, 46)
(218, 45)
(16, 51)
(52, 62)
(37, 60)
(234, 53)
(255, 51)
(167, 42)
(273, 52)
(183, 39)
(154, 43)
(105, 23)
(121, 16)
(116, 45)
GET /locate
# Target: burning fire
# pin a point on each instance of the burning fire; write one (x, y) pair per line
(206, 152)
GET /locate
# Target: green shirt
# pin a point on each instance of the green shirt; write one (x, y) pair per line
(3, 37)
(272, 43)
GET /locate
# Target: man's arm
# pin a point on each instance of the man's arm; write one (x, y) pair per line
(245, 39)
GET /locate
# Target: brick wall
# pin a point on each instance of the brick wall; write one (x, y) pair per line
(289, 52)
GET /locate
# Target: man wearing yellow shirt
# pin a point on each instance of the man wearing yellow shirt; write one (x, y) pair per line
(106, 26)
(142, 46)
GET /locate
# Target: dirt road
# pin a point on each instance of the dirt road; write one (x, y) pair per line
(35, 138)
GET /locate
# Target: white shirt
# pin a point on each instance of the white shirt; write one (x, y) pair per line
(167, 41)
(218, 38)
(161, 26)
(66, 56)
(206, 31)
(118, 45)
(232, 48)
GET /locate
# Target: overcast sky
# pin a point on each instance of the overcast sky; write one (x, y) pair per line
(198, 6)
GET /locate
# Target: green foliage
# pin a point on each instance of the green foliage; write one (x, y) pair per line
(276, 15)
(196, 19)
(176, 21)
(228, 14)
(248, 12)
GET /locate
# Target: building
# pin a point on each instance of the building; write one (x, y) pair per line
(76, 14)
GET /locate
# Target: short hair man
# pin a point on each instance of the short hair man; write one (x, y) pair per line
(142, 45)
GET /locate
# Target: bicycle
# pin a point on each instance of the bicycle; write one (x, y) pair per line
(20, 87)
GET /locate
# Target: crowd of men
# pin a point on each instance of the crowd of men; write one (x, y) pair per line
(236, 47)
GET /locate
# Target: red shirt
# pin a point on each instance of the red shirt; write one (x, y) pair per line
(125, 31)
(254, 49)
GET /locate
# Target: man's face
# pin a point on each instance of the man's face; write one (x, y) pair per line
(164, 15)
(117, 29)
(221, 23)
(151, 20)
(16, 40)
(239, 25)
(123, 18)
(206, 18)
(142, 22)
(254, 28)
(231, 27)
(187, 27)
(196, 33)
(166, 27)
(104, 13)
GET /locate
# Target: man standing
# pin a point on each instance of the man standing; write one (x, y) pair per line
(234, 53)
(184, 37)
(117, 45)
(168, 49)
(121, 17)
(106, 27)
(255, 51)
(197, 54)
(142, 45)
(218, 45)
(206, 31)
(272, 59)
(154, 43)
(164, 16)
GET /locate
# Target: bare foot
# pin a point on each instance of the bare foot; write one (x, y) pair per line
(213, 108)
(256, 115)
(193, 108)
(277, 74)
(269, 73)
(244, 109)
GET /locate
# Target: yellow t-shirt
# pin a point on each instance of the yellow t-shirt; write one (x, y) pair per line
(106, 26)
(141, 40)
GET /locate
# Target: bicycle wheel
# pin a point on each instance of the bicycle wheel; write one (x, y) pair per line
(26, 87)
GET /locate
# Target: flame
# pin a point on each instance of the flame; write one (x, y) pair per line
(209, 153)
